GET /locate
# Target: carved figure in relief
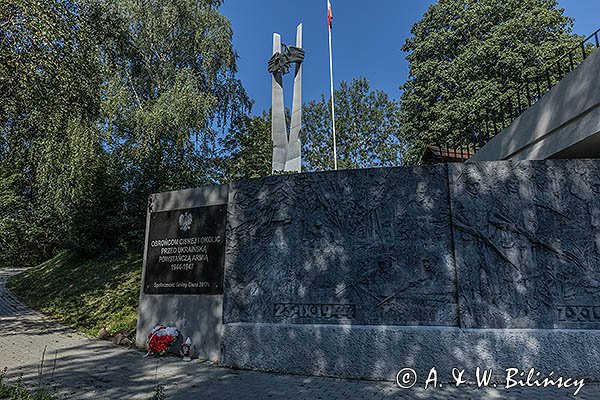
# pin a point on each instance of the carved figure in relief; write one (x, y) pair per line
(593, 205)
(545, 243)
(383, 265)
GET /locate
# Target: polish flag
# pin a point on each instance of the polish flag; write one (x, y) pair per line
(329, 14)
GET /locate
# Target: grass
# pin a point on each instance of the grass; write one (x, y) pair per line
(85, 294)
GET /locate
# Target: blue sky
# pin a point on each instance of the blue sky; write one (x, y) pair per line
(367, 40)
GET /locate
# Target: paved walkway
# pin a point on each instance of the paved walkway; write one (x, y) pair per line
(78, 367)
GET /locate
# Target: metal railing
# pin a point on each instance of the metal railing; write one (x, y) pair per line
(483, 127)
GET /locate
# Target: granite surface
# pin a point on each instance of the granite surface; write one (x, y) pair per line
(527, 243)
(367, 247)
(359, 273)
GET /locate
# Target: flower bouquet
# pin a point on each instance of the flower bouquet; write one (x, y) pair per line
(161, 339)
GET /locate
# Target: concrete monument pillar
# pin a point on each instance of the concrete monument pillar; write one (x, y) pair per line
(287, 148)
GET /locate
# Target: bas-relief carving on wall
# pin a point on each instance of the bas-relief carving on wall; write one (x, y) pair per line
(527, 244)
(377, 247)
(377, 242)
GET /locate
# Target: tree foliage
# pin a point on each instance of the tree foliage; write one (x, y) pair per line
(169, 84)
(367, 129)
(469, 55)
(103, 102)
(248, 148)
(367, 124)
(49, 87)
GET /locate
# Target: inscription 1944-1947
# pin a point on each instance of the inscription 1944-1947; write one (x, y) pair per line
(185, 253)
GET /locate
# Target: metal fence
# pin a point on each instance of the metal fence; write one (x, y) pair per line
(493, 119)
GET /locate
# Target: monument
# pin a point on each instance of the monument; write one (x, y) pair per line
(360, 273)
(183, 265)
(286, 148)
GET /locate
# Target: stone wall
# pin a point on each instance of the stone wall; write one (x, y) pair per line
(527, 244)
(361, 273)
(364, 247)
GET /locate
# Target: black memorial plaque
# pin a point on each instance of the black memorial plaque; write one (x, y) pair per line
(186, 251)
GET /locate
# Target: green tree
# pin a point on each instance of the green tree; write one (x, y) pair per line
(367, 129)
(169, 87)
(469, 55)
(49, 88)
(103, 102)
(248, 148)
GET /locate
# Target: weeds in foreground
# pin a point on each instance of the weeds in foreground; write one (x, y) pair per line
(159, 393)
(18, 390)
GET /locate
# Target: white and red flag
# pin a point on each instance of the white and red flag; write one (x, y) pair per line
(329, 14)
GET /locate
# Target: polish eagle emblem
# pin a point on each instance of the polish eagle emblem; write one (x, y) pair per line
(185, 221)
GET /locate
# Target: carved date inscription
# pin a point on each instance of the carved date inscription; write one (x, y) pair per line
(577, 314)
(315, 311)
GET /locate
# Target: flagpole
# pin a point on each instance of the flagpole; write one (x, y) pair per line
(332, 99)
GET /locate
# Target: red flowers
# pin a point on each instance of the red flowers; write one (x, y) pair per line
(161, 339)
